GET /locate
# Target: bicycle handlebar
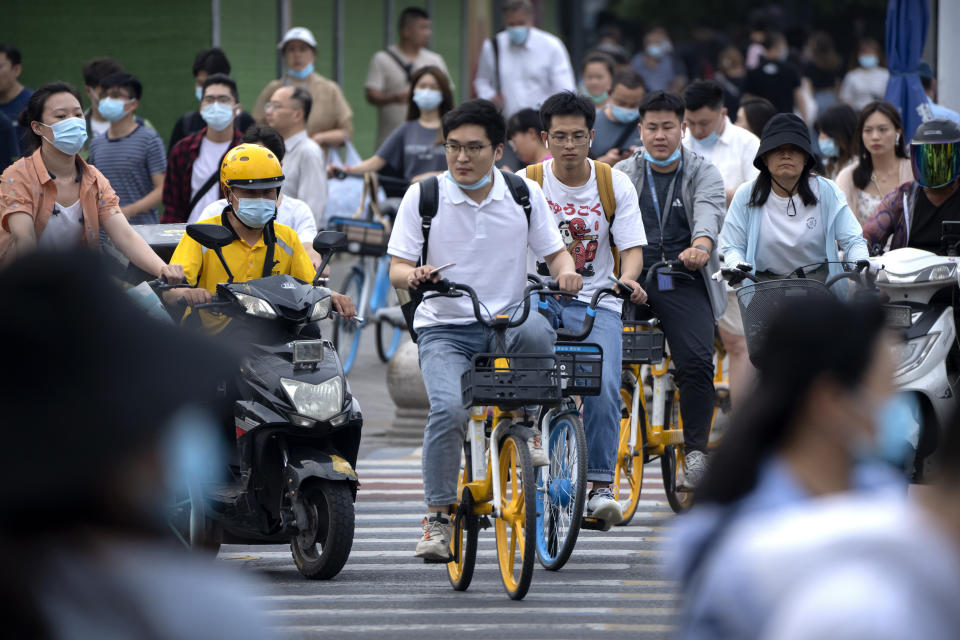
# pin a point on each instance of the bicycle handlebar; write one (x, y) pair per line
(446, 289)
(587, 326)
(672, 268)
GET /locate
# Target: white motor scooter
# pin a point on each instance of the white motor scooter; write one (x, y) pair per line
(911, 278)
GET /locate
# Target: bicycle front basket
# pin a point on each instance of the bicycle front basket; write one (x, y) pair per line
(642, 344)
(364, 237)
(760, 302)
(511, 380)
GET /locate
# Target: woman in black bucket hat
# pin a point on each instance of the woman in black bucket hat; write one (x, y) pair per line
(787, 217)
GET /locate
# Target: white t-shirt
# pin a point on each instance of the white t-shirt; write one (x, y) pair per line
(65, 229)
(733, 154)
(207, 162)
(786, 241)
(583, 226)
(862, 86)
(487, 241)
(98, 128)
(291, 212)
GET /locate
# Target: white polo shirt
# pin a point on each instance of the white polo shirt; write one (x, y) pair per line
(733, 154)
(487, 241)
(291, 212)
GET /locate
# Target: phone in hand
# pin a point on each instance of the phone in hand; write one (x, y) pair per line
(442, 267)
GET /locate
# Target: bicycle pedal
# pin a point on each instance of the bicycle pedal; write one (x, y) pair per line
(593, 524)
(484, 522)
(435, 561)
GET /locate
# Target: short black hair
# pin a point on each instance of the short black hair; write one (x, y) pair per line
(410, 14)
(124, 81)
(703, 93)
(629, 79)
(603, 58)
(567, 103)
(212, 61)
(94, 71)
(12, 53)
(268, 137)
(303, 97)
(523, 121)
(479, 112)
(663, 101)
(758, 112)
(224, 79)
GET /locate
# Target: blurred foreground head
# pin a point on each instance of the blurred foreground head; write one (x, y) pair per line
(88, 388)
(824, 379)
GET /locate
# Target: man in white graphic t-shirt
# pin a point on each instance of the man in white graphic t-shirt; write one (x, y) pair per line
(573, 184)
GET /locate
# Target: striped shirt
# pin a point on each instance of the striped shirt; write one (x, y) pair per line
(130, 163)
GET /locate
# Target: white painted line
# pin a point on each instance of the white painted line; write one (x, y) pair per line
(609, 541)
(486, 611)
(494, 628)
(441, 570)
(584, 533)
(419, 597)
(408, 553)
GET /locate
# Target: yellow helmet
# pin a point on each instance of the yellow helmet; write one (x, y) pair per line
(250, 166)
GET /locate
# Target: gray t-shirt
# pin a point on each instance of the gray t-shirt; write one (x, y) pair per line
(130, 163)
(414, 149)
(608, 132)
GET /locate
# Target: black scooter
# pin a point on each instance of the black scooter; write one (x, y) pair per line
(297, 427)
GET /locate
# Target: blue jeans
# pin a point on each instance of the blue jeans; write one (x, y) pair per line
(445, 354)
(601, 414)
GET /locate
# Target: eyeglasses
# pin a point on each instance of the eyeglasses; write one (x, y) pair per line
(578, 139)
(228, 100)
(473, 149)
(276, 105)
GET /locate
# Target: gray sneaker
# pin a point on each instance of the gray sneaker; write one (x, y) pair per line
(696, 466)
(435, 543)
(602, 505)
(538, 457)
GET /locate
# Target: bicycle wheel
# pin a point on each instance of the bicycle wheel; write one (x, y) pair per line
(628, 472)
(388, 339)
(562, 490)
(463, 543)
(672, 462)
(346, 334)
(516, 524)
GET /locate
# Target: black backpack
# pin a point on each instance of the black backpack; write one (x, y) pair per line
(429, 203)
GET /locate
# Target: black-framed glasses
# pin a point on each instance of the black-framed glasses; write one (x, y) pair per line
(227, 100)
(578, 139)
(471, 149)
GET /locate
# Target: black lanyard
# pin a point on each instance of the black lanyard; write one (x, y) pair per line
(661, 216)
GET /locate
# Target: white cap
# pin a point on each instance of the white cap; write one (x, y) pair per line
(298, 33)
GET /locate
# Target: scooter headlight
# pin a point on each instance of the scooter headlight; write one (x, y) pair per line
(256, 306)
(321, 309)
(910, 355)
(318, 401)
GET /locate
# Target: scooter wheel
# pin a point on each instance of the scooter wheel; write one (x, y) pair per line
(322, 548)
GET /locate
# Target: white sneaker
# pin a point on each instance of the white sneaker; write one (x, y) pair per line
(603, 506)
(696, 467)
(538, 457)
(435, 542)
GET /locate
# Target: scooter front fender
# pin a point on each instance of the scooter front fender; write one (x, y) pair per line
(306, 463)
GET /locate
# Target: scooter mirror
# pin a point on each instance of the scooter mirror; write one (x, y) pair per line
(211, 236)
(326, 241)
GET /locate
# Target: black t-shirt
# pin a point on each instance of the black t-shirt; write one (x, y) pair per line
(675, 234)
(775, 81)
(926, 228)
(821, 78)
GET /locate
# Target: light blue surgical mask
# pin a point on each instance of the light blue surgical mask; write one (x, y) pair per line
(897, 433)
(217, 116)
(710, 141)
(68, 135)
(112, 109)
(868, 62)
(198, 91)
(655, 50)
(600, 98)
(623, 114)
(828, 147)
(193, 453)
(427, 99)
(303, 73)
(255, 212)
(662, 163)
(518, 35)
(479, 184)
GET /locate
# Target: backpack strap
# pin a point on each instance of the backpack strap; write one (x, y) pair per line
(429, 203)
(269, 239)
(608, 201)
(519, 191)
(406, 66)
(535, 172)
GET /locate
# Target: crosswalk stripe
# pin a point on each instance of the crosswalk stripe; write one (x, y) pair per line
(452, 595)
(517, 628)
(491, 611)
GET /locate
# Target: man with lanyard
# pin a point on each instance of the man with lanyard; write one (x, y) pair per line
(572, 184)
(251, 177)
(682, 202)
(481, 233)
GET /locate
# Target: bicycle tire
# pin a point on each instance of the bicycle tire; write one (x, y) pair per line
(629, 464)
(671, 463)
(564, 488)
(385, 351)
(516, 524)
(346, 334)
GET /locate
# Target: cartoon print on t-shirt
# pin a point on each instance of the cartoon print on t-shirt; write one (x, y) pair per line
(581, 244)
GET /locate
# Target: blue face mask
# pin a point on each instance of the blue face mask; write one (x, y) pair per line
(624, 115)
(655, 50)
(192, 451)
(303, 73)
(255, 212)
(68, 135)
(518, 35)
(217, 116)
(662, 163)
(868, 62)
(828, 147)
(479, 184)
(112, 109)
(710, 141)
(897, 432)
(600, 98)
(198, 91)
(427, 99)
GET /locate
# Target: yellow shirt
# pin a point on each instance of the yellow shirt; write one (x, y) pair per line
(202, 266)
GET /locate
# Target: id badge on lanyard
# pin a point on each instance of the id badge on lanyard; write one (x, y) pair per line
(664, 282)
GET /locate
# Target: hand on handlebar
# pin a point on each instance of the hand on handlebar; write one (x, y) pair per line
(693, 258)
(337, 173)
(637, 295)
(343, 305)
(187, 295)
(570, 281)
(172, 273)
(422, 274)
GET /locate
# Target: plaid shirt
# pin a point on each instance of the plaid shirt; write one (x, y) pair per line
(177, 189)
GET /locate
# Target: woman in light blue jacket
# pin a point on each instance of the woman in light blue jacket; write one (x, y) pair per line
(787, 218)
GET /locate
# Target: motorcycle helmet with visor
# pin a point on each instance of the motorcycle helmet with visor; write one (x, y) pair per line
(935, 153)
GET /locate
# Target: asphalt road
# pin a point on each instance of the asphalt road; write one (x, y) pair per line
(613, 584)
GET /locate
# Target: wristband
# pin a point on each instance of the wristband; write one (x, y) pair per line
(702, 248)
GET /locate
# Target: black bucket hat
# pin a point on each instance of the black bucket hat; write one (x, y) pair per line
(785, 128)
